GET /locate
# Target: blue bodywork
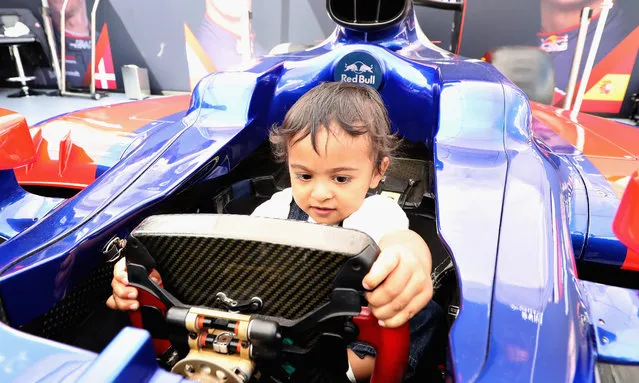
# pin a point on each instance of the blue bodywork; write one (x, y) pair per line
(513, 213)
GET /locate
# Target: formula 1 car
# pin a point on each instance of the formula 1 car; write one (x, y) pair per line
(515, 199)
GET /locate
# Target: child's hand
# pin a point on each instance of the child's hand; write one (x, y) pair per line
(124, 297)
(400, 279)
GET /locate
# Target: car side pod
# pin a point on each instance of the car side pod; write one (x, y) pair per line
(626, 223)
(16, 146)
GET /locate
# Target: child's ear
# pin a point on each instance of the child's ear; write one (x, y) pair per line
(379, 172)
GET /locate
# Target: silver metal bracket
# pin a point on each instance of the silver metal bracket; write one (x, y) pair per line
(113, 249)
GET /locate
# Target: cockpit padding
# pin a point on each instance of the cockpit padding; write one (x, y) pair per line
(407, 179)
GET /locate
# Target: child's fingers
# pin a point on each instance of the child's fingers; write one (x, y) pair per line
(111, 303)
(120, 273)
(393, 286)
(121, 304)
(125, 304)
(123, 291)
(124, 296)
(416, 304)
(413, 288)
(122, 278)
(384, 265)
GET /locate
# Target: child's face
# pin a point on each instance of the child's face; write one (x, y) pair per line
(332, 185)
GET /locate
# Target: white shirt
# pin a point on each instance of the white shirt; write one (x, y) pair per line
(376, 217)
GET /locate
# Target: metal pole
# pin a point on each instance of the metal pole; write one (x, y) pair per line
(63, 47)
(19, 68)
(93, 12)
(285, 25)
(245, 35)
(592, 54)
(456, 31)
(63, 81)
(48, 29)
(586, 15)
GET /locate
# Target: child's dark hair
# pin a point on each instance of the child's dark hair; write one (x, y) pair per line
(357, 109)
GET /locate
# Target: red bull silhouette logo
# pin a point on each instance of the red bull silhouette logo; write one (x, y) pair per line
(358, 67)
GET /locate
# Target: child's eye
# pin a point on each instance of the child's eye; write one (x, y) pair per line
(303, 177)
(342, 179)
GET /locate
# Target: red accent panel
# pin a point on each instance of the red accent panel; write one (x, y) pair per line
(16, 146)
(600, 106)
(632, 261)
(626, 223)
(146, 299)
(91, 133)
(46, 172)
(599, 137)
(611, 146)
(71, 155)
(392, 346)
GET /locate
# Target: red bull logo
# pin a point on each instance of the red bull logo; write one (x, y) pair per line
(358, 68)
(554, 43)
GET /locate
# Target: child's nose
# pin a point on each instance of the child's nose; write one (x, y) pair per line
(321, 192)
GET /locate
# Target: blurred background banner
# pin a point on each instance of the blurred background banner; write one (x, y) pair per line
(553, 25)
(222, 38)
(179, 42)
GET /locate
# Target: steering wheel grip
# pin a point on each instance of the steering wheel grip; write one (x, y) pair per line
(392, 346)
(145, 298)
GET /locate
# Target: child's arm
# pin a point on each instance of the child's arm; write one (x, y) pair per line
(400, 278)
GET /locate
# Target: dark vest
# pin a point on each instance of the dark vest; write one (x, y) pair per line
(296, 213)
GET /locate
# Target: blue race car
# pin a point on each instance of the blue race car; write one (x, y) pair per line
(514, 198)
